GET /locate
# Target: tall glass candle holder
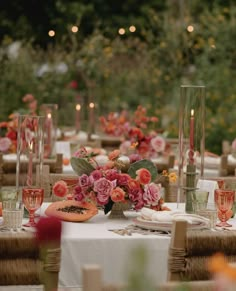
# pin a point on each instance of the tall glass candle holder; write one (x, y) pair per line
(191, 141)
(92, 119)
(30, 150)
(50, 112)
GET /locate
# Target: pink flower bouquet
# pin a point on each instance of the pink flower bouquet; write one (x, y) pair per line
(108, 184)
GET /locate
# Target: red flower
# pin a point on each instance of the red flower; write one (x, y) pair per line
(48, 230)
(73, 84)
(143, 176)
(12, 135)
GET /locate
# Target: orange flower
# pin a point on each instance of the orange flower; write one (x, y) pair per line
(60, 188)
(143, 176)
(172, 177)
(118, 195)
(114, 155)
(218, 265)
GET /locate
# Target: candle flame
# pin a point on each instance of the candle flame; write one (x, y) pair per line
(192, 112)
(91, 105)
(31, 146)
(78, 107)
(49, 115)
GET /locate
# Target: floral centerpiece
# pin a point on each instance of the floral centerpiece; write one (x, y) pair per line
(138, 133)
(121, 180)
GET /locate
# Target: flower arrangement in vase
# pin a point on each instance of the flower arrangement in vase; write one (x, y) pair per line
(121, 180)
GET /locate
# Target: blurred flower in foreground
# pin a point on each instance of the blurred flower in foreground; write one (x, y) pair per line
(48, 230)
(223, 273)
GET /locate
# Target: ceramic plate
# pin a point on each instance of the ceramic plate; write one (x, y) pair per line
(164, 226)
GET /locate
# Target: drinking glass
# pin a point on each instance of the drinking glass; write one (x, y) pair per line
(32, 199)
(199, 200)
(12, 213)
(224, 200)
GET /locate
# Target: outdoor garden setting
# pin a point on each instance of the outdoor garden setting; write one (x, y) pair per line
(117, 145)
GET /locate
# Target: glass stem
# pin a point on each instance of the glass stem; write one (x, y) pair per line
(31, 216)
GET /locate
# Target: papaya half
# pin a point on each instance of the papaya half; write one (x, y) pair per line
(71, 210)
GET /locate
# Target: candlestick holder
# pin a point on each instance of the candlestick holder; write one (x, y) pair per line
(50, 112)
(92, 120)
(191, 140)
(30, 150)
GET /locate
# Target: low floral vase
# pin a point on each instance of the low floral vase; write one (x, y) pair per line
(117, 210)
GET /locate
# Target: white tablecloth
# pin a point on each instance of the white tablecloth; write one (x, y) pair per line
(91, 242)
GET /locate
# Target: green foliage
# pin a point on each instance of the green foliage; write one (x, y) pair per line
(120, 72)
(147, 164)
(81, 166)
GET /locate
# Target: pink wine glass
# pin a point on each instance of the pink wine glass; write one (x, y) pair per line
(224, 200)
(32, 199)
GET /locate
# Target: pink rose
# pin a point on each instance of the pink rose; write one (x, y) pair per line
(158, 143)
(118, 195)
(139, 205)
(151, 193)
(134, 158)
(143, 176)
(102, 198)
(111, 174)
(84, 181)
(5, 144)
(136, 196)
(123, 179)
(95, 175)
(60, 188)
(125, 146)
(103, 186)
(78, 193)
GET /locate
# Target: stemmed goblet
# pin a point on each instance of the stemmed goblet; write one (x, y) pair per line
(32, 199)
(224, 200)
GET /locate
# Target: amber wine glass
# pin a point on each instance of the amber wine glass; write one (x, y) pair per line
(224, 199)
(32, 199)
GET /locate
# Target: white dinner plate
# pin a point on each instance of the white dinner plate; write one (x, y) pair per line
(163, 226)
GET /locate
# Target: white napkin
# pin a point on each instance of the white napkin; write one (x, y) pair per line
(170, 216)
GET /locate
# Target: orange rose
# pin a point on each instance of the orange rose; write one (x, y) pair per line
(114, 155)
(118, 195)
(60, 189)
(143, 176)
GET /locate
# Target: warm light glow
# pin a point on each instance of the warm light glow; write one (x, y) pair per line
(91, 105)
(121, 31)
(190, 28)
(192, 112)
(31, 146)
(78, 107)
(74, 28)
(49, 115)
(51, 33)
(132, 28)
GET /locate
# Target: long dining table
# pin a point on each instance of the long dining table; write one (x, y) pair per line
(99, 241)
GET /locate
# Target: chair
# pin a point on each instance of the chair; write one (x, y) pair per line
(92, 281)
(8, 169)
(188, 254)
(190, 250)
(227, 168)
(49, 179)
(22, 264)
